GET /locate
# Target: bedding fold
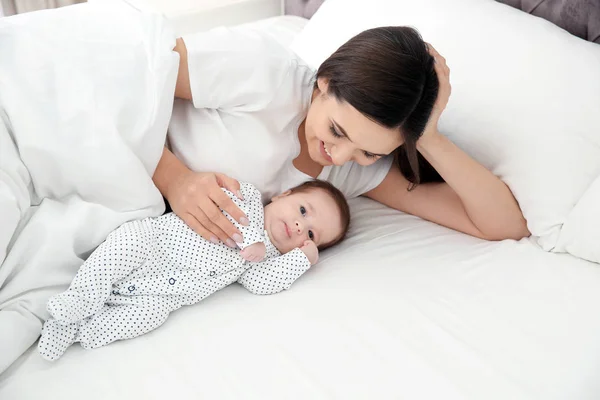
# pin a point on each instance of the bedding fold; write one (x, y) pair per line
(86, 93)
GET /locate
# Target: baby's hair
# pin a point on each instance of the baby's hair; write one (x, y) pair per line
(340, 201)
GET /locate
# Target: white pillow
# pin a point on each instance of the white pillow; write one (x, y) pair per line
(580, 234)
(525, 95)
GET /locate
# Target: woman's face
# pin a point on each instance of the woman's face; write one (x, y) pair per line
(337, 133)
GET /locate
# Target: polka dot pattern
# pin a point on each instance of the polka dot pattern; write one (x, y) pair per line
(275, 274)
(253, 207)
(147, 269)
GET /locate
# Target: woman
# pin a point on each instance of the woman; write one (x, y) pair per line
(367, 123)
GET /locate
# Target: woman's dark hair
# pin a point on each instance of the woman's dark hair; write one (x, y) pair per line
(388, 75)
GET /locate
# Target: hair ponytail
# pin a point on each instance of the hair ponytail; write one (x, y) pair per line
(412, 164)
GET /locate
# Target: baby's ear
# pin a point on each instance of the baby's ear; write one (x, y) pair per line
(279, 196)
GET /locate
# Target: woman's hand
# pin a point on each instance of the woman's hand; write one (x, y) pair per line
(443, 74)
(197, 198)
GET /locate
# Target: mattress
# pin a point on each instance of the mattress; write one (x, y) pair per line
(402, 309)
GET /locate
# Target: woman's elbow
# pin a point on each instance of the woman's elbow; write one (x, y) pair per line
(515, 231)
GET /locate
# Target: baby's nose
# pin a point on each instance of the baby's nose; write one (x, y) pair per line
(299, 227)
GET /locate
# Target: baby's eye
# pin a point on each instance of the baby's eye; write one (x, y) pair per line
(302, 210)
(311, 235)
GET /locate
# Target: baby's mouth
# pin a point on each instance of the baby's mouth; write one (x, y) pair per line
(287, 230)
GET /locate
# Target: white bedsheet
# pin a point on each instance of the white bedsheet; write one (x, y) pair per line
(402, 309)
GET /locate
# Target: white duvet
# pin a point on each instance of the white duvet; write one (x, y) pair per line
(86, 94)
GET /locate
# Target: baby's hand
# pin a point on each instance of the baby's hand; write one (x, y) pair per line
(309, 248)
(255, 252)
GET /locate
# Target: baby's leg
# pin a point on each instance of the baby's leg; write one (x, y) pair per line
(125, 250)
(56, 337)
(124, 318)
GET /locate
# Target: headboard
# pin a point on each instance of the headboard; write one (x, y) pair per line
(579, 17)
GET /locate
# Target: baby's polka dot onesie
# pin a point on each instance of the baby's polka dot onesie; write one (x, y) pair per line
(147, 269)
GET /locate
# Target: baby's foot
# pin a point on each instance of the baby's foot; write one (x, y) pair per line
(70, 306)
(56, 337)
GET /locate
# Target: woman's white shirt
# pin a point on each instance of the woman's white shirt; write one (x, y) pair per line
(250, 95)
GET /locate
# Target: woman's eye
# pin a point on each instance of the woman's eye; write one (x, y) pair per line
(334, 132)
(302, 210)
(311, 235)
(369, 155)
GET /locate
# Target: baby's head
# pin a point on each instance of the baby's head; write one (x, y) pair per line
(314, 210)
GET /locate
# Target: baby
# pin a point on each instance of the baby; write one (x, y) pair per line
(147, 269)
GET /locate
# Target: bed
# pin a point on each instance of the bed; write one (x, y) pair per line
(402, 309)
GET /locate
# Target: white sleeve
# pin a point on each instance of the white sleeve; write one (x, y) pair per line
(275, 274)
(355, 180)
(235, 67)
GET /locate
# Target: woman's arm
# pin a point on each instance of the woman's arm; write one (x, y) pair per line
(473, 200)
(182, 88)
(487, 201)
(168, 171)
(196, 197)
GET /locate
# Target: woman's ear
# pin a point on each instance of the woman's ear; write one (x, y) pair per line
(323, 85)
(282, 195)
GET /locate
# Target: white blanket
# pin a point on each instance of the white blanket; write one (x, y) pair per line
(86, 94)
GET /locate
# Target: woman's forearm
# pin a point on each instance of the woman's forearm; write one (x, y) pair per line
(168, 170)
(487, 200)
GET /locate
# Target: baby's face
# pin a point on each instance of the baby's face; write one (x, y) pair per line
(292, 218)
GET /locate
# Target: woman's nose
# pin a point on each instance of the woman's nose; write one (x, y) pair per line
(341, 155)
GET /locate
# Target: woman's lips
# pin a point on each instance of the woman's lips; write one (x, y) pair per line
(324, 153)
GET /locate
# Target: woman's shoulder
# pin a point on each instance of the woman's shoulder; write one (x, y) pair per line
(249, 42)
(276, 52)
(245, 68)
